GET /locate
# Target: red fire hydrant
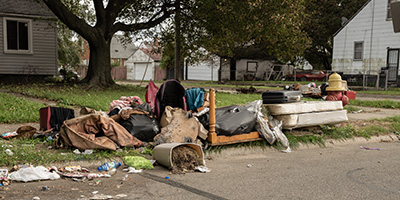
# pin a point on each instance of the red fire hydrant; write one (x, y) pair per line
(336, 89)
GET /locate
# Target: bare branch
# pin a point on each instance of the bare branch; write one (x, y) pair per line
(144, 25)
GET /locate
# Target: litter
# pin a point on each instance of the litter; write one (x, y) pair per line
(33, 174)
(9, 152)
(109, 166)
(138, 162)
(369, 148)
(9, 135)
(95, 132)
(45, 188)
(202, 169)
(132, 170)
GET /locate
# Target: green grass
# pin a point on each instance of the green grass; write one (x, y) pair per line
(36, 152)
(18, 109)
(378, 104)
(390, 91)
(78, 95)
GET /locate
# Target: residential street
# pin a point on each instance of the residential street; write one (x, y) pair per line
(339, 171)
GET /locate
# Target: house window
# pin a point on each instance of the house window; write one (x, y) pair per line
(17, 35)
(389, 14)
(252, 66)
(358, 50)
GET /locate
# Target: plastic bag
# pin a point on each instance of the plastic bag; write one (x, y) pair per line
(270, 129)
(138, 162)
(33, 174)
(234, 120)
(142, 127)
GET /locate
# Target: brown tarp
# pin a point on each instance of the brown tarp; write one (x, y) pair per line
(95, 132)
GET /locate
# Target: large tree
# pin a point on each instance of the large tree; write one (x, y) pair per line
(325, 18)
(266, 28)
(110, 17)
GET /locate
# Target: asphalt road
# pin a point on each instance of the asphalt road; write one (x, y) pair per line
(339, 172)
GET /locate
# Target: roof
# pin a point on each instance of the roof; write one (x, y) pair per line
(121, 49)
(25, 7)
(352, 17)
(153, 55)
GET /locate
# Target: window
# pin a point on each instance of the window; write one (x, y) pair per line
(17, 35)
(389, 14)
(252, 66)
(358, 50)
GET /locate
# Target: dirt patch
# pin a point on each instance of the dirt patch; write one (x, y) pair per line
(184, 159)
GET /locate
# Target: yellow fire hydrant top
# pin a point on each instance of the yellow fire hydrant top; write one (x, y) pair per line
(335, 83)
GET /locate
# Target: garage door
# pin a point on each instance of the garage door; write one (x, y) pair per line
(139, 70)
(202, 72)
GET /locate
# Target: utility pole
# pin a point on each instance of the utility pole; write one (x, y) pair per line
(177, 68)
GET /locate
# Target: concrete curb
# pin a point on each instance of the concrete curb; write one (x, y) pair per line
(330, 143)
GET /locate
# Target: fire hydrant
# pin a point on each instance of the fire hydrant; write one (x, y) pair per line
(336, 89)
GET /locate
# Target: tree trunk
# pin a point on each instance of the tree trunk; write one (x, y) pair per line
(177, 70)
(99, 70)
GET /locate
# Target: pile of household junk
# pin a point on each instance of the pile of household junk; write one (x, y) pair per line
(173, 115)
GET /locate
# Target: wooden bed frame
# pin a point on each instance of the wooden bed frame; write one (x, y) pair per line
(215, 140)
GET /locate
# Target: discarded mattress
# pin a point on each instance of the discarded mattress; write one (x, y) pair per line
(312, 119)
(304, 107)
(308, 113)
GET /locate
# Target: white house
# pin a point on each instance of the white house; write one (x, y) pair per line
(144, 64)
(367, 42)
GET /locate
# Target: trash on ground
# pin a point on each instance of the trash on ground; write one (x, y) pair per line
(132, 170)
(180, 157)
(177, 126)
(109, 166)
(308, 113)
(138, 162)
(202, 169)
(9, 152)
(9, 135)
(370, 148)
(95, 132)
(45, 188)
(185, 159)
(33, 174)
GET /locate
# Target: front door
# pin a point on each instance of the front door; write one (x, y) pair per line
(393, 64)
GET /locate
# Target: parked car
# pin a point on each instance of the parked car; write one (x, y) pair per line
(309, 76)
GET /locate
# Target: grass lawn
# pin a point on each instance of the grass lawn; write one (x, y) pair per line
(15, 110)
(18, 109)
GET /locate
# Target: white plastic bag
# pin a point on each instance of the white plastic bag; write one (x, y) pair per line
(33, 174)
(262, 126)
(270, 129)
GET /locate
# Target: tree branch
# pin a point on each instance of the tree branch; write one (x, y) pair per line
(144, 25)
(68, 18)
(100, 12)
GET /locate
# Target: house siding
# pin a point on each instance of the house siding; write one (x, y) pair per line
(43, 61)
(371, 27)
(262, 69)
